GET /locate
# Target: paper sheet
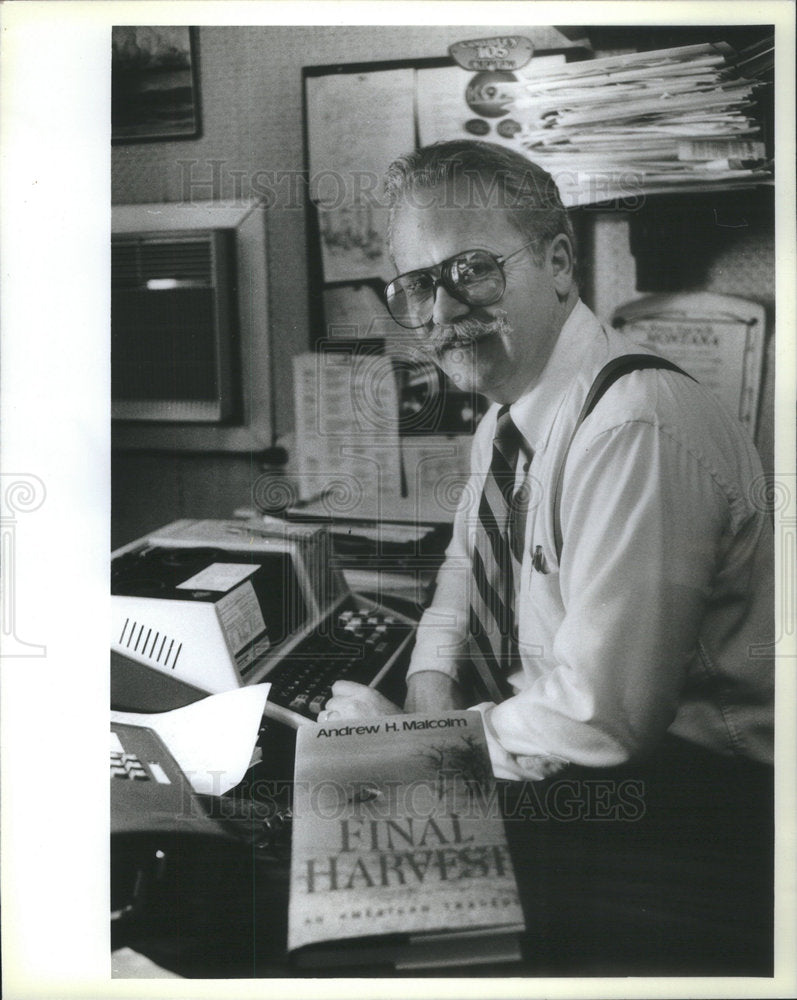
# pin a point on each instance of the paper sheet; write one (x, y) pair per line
(345, 162)
(212, 740)
(704, 348)
(219, 577)
(346, 429)
(436, 470)
(442, 108)
(719, 339)
(353, 242)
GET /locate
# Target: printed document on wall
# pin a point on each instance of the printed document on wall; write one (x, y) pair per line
(381, 105)
(347, 440)
(357, 124)
(718, 339)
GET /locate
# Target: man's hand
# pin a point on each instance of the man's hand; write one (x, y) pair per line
(432, 691)
(356, 701)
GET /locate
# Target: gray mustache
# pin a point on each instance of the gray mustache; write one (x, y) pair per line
(463, 333)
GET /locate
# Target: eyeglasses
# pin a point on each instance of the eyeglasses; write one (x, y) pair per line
(474, 277)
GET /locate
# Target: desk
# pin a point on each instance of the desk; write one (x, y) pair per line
(682, 887)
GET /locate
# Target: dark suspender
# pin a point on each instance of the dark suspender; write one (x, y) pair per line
(605, 378)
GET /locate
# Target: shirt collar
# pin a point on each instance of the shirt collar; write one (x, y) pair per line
(534, 412)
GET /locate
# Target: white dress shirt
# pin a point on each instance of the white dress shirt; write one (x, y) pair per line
(659, 616)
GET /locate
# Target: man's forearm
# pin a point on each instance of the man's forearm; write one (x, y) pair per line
(433, 691)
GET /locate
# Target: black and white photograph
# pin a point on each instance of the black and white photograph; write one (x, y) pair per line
(399, 472)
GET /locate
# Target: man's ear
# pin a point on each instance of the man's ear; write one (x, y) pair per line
(562, 262)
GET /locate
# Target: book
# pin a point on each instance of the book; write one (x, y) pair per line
(399, 853)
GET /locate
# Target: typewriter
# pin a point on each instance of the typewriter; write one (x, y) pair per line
(200, 607)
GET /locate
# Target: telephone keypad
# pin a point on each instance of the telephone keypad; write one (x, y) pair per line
(127, 765)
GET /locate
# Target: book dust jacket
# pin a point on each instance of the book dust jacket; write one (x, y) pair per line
(397, 831)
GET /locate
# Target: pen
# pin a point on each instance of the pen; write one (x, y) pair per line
(249, 530)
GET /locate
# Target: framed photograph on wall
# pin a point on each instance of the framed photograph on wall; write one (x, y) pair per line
(154, 90)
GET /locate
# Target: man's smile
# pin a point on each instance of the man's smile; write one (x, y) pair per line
(466, 334)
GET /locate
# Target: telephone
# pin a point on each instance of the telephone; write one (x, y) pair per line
(149, 792)
(184, 864)
(153, 808)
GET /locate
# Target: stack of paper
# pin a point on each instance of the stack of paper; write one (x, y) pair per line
(626, 125)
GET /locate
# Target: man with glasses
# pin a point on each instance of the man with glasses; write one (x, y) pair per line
(609, 580)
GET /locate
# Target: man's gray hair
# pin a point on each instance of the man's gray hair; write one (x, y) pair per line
(495, 177)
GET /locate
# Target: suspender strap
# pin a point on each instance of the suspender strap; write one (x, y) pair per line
(605, 378)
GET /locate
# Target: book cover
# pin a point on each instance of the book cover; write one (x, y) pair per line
(397, 834)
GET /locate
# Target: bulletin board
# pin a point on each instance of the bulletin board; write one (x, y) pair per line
(359, 118)
(411, 447)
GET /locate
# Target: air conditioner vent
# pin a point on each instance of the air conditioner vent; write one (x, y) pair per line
(136, 262)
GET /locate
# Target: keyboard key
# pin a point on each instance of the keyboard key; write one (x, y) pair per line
(316, 704)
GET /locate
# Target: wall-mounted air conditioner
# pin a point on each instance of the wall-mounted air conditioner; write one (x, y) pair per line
(190, 350)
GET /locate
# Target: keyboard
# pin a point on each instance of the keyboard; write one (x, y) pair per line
(358, 644)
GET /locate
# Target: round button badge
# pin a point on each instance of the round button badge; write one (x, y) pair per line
(486, 97)
(477, 126)
(508, 127)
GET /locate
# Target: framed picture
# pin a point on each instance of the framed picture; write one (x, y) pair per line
(154, 92)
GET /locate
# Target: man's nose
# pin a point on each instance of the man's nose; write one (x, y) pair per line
(447, 309)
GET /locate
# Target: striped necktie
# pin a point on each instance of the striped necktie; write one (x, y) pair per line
(497, 552)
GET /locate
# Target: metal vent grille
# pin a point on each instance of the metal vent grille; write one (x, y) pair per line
(136, 262)
(155, 646)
